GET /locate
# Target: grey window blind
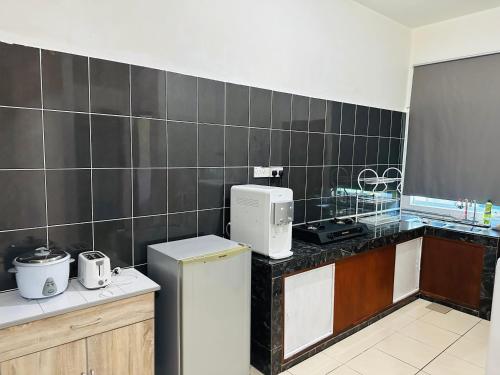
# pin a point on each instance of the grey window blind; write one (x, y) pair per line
(454, 130)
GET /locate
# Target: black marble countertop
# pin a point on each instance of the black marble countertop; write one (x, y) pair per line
(309, 255)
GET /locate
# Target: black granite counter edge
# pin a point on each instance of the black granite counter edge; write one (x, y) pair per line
(309, 255)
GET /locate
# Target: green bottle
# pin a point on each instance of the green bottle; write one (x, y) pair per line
(488, 207)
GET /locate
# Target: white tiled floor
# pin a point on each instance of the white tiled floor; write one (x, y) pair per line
(412, 340)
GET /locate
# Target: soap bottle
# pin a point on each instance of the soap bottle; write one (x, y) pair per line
(488, 207)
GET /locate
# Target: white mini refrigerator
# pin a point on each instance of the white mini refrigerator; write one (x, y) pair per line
(202, 312)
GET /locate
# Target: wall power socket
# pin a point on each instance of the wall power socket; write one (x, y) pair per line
(263, 172)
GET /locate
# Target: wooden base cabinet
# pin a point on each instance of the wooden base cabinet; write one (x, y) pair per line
(128, 350)
(62, 360)
(451, 271)
(115, 338)
(363, 286)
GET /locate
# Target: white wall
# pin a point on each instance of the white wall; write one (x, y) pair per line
(472, 35)
(334, 49)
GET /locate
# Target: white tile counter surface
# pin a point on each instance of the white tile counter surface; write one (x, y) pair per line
(15, 309)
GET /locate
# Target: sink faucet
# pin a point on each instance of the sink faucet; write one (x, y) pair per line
(466, 214)
(475, 210)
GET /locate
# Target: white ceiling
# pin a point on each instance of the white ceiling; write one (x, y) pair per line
(414, 13)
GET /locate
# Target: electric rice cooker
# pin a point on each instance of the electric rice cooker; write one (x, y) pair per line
(42, 273)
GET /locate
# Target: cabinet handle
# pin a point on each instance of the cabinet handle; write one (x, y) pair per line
(77, 326)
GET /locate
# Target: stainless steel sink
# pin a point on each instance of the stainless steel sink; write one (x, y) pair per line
(467, 228)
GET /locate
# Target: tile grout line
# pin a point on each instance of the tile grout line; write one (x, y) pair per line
(166, 156)
(307, 155)
(323, 163)
(184, 121)
(44, 153)
(114, 219)
(224, 178)
(271, 137)
(197, 162)
(132, 244)
(91, 159)
(353, 149)
(290, 144)
(338, 157)
(167, 168)
(248, 136)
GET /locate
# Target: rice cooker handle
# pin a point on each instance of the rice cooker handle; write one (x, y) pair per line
(12, 270)
(71, 260)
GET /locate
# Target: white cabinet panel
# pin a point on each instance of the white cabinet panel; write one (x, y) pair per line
(407, 269)
(308, 308)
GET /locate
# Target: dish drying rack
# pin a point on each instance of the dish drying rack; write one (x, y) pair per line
(379, 200)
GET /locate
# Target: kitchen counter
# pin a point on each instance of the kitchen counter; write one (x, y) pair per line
(268, 275)
(15, 309)
(307, 255)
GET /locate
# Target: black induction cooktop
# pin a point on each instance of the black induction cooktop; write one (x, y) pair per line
(329, 231)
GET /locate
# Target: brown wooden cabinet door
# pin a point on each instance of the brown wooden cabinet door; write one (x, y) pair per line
(61, 360)
(123, 351)
(364, 285)
(451, 270)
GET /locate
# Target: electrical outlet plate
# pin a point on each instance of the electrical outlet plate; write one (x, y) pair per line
(264, 172)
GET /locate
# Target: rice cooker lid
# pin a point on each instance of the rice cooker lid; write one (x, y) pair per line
(41, 256)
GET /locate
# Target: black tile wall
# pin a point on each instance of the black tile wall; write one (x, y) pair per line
(149, 143)
(182, 97)
(298, 149)
(20, 72)
(300, 113)
(110, 141)
(182, 225)
(67, 140)
(149, 190)
(260, 108)
(333, 117)
(109, 87)
(73, 238)
(280, 147)
(148, 92)
(115, 239)
(22, 201)
(68, 196)
(183, 144)
(237, 102)
(281, 110)
(112, 193)
(259, 147)
(236, 146)
(317, 115)
(210, 188)
(65, 81)
(182, 189)
(148, 230)
(211, 222)
(210, 145)
(211, 101)
(361, 120)
(135, 156)
(348, 121)
(21, 138)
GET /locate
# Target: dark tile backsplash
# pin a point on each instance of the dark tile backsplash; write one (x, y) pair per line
(105, 155)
